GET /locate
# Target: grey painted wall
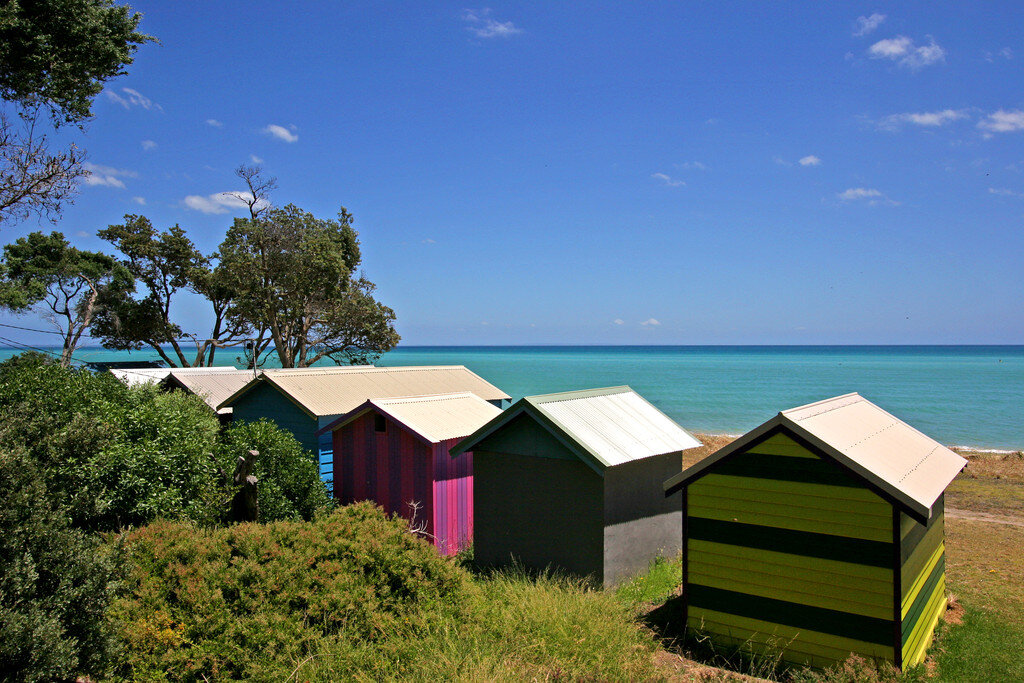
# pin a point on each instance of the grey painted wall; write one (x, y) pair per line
(542, 511)
(640, 521)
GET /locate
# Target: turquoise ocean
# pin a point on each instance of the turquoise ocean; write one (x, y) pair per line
(960, 395)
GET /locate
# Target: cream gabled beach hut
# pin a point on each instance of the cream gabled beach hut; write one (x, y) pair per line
(306, 400)
(572, 481)
(821, 533)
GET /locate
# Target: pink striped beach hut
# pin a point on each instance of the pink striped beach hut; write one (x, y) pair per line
(394, 452)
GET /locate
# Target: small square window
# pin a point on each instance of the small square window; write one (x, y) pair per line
(379, 423)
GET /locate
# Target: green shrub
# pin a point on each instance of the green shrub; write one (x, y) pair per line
(114, 456)
(254, 600)
(55, 583)
(289, 479)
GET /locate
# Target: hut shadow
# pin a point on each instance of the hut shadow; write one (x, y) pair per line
(667, 622)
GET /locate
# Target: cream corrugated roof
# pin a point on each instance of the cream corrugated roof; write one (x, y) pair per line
(901, 461)
(336, 391)
(612, 426)
(435, 418)
(213, 387)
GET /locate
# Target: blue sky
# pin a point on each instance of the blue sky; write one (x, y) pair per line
(653, 173)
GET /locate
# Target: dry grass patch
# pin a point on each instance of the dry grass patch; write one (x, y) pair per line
(985, 565)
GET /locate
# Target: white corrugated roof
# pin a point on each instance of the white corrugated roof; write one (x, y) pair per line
(136, 376)
(336, 391)
(435, 418)
(604, 427)
(910, 467)
(616, 425)
(888, 451)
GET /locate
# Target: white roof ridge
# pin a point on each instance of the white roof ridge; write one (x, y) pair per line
(833, 404)
(423, 398)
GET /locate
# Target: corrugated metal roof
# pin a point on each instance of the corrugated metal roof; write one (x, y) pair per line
(336, 391)
(212, 387)
(435, 418)
(606, 427)
(887, 452)
(136, 376)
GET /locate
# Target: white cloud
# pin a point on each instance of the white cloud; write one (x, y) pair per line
(482, 25)
(1004, 192)
(810, 160)
(1006, 53)
(219, 203)
(281, 133)
(618, 321)
(668, 180)
(781, 162)
(1003, 121)
(691, 166)
(255, 159)
(905, 52)
(132, 98)
(215, 123)
(931, 119)
(872, 196)
(106, 176)
(429, 241)
(82, 233)
(866, 25)
(141, 201)
(650, 322)
(148, 145)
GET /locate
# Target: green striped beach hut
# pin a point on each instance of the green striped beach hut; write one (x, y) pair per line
(820, 534)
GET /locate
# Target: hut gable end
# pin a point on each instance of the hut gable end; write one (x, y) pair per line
(523, 435)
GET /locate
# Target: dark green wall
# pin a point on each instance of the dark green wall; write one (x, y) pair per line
(266, 401)
(523, 436)
(543, 511)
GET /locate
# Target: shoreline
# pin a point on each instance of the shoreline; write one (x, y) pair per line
(953, 447)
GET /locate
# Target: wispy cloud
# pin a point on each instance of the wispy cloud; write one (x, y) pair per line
(929, 119)
(1003, 121)
(691, 166)
(618, 321)
(906, 53)
(668, 180)
(215, 123)
(810, 160)
(106, 176)
(481, 24)
(866, 25)
(148, 145)
(132, 98)
(141, 201)
(781, 162)
(219, 203)
(1005, 192)
(428, 241)
(281, 133)
(1005, 53)
(651, 322)
(255, 159)
(866, 194)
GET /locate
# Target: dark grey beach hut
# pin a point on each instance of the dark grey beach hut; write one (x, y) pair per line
(572, 481)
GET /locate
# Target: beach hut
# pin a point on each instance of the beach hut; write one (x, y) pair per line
(306, 400)
(819, 533)
(395, 452)
(213, 385)
(572, 481)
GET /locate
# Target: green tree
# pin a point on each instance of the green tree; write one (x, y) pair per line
(44, 270)
(166, 265)
(293, 276)
(55, 57)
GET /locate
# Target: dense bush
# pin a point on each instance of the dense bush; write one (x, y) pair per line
(112, 455)
(289, 477)
(253, 601)
(55, 583)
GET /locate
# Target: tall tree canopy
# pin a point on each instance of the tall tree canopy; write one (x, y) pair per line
(294, 281)
(165, 265)
(55, 56)
(45, 270)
